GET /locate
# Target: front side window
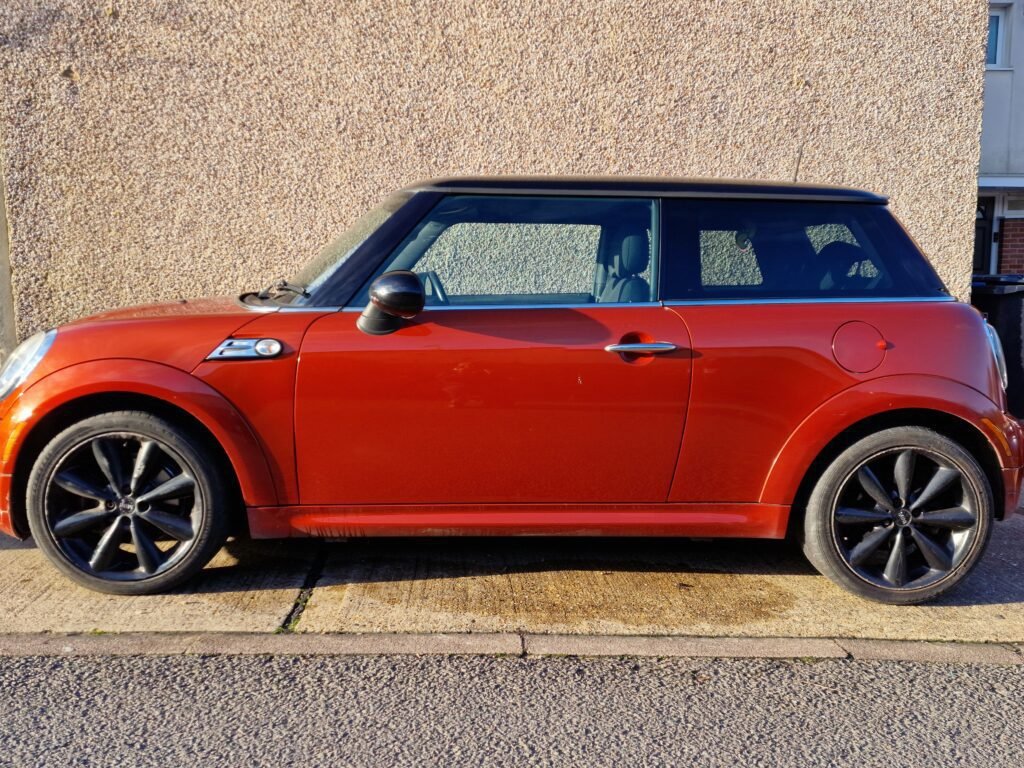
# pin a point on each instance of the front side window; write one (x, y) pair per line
(760, 249)
(526, 250)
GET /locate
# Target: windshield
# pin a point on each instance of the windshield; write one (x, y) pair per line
(338, 251)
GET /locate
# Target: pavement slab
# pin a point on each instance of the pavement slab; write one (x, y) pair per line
(643, 587)
(248, 587)
(529, 586)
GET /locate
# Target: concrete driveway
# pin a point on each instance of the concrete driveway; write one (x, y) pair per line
(541, 586)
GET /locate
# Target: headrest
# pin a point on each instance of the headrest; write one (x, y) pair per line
(635, 255)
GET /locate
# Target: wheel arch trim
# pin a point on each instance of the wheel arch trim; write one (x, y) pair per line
(173, 388)
(890, 399)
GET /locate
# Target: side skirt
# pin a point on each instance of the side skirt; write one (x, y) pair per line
(759, 521)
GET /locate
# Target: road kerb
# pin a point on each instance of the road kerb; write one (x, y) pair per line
(257, 644)
(501, 644)
(370, 644)
(917, 650)
(695, 647)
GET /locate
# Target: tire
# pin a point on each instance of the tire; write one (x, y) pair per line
(899, 517)
(128, 503)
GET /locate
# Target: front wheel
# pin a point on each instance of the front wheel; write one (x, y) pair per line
(899, 517)
(127, 503)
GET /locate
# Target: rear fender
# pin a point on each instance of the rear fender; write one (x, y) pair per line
(879, 396)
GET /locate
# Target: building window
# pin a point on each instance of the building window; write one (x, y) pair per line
(995, 53)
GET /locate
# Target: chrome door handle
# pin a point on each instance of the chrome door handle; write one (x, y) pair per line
(643, 348)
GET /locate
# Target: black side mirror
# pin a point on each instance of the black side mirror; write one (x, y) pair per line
(394, 298)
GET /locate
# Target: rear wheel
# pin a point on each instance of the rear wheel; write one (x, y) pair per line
(127, 503)
(900, 516)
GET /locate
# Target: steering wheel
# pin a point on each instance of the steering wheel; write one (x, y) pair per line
(437, 291)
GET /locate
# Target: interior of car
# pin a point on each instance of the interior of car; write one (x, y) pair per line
(526, 250)
(491, 250)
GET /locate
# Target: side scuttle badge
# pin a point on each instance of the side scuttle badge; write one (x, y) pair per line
(246, 349)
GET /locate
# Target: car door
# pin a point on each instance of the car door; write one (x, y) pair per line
(542, 369)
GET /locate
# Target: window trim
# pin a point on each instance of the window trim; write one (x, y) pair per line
(736, 302)
(822, 300)
(1004, 208)
(1003, 13)
(478, 307)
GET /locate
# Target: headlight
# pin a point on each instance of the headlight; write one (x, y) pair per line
(997, 352)
(22, 360)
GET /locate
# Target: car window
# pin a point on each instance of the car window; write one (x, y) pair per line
(338, 251)
(727, 257)
(822, 235)
(784, 249)
(476, 258)
(526, 250)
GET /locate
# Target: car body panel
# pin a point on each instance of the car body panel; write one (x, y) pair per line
(760, 371)
(264, 390)
(761, 521)
(177, 334)
(491, 406)
(892, 393)
(175, 387)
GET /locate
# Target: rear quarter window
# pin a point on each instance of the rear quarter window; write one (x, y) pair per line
(773, 249)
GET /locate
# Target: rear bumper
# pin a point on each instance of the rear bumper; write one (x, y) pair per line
(1013, 470)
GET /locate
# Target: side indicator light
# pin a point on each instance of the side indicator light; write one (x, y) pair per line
(246, 349)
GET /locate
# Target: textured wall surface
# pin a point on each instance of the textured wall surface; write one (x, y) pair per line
(162, 148)
(7, 331)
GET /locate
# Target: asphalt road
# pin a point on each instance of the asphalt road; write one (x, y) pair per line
(480, 710)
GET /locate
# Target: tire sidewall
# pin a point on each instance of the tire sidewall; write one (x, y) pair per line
(819, 542)
(197, 461)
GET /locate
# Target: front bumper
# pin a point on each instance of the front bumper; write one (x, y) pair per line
(6, 523)
(14, 424)
(1014, 492)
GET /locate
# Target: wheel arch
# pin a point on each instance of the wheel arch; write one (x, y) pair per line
(947, 407)
(170, 393)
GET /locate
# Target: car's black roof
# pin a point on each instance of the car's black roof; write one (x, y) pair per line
(639, 185)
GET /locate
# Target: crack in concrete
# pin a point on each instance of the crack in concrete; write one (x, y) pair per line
(316, 571)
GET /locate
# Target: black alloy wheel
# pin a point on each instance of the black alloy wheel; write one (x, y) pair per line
(126, 503)
(900, 516)
(905, 518)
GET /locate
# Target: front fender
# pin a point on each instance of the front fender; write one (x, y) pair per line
(878, 396)
(170, 385)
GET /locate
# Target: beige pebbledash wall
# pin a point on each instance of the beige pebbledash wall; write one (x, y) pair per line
(155, 149)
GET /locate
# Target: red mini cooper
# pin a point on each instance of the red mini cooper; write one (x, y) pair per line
(563, 356)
